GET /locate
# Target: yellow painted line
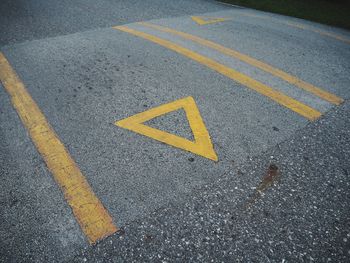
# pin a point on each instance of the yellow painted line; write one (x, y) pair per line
(255, 16)
(245, 80)
(304, 27)
(254, 62)
(202, 144)
(205, 20)
(321, 32)
(93, 218)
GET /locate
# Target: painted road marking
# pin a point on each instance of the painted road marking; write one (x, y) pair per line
(92, 217)
(301, 26)
(205, 20)
(256, 16)
(321, 32)
(201, 145)
(254, 62)
(290, 103)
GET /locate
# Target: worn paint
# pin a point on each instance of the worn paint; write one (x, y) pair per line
(93, 218)
(201, 145)
(205, 20)
(288, 102)
(254, 62)
(302, 26)
(321, 32)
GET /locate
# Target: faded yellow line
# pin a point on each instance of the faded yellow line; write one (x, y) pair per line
(93, 218)
(205, 20)
(255, 16)
(304, 27)
(321, 32)
(259, 87)
(254, 62)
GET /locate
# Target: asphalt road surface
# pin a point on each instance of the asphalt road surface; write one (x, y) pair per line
(171, 131)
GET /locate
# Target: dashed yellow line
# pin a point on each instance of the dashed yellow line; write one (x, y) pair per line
(259, 87)
(93, 218)
(254, 62)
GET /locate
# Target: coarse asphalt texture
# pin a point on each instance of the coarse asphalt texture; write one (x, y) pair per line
(280, 189)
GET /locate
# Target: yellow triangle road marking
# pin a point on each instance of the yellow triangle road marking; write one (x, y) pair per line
(201, 145)
(204, 20)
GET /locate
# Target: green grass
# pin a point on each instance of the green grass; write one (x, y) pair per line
(335, 13)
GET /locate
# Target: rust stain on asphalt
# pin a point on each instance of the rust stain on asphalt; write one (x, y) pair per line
(271, 178)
